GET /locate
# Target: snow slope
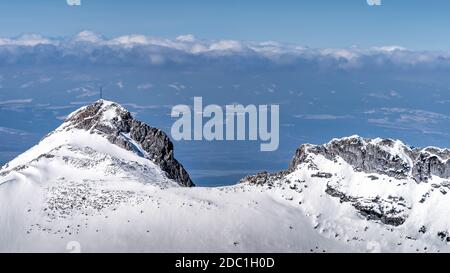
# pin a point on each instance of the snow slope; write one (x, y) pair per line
(78, 188)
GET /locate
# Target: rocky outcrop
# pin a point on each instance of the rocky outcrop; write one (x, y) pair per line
(382, 156)
(374, 157)
(391, 211)
(120, 128)
(264, 178)
(363, 154)
(431, 161)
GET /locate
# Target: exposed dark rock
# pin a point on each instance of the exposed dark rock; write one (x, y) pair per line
(423, 229)
(443, 235)
(264, 178)
(322, 175)
(427, 163)
(343, 197)
(374, 209)
(123, 130)
(360, 153)
(371, 156)
(368, 156)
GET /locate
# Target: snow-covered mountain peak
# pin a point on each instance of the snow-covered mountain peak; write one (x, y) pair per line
(116, 124)
(109, 129)
(98, 162)
(101, 113)
(383, 156)
(356, 184)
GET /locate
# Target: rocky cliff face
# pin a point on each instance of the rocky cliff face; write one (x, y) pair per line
(383, 179)
(120, 128)
(382, 156)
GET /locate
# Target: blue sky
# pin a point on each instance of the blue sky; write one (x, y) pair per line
(415, 24)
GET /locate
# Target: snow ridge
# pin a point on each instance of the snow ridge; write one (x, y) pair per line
(111, 183)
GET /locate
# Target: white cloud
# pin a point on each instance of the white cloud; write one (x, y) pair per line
(74, 2)
(177, 86)
(26, 85)
(374, 2)
(186, 38)
(323, 117)
(18, 101)
(11, 131)
(45, 79)
(145, 86)
(391, 48)
(130, 40)
(27, 40)
(89, 37)
(340, 53)
(386, 95)
(85, 92)
(226, 45)
(419, 120)
(89, 47)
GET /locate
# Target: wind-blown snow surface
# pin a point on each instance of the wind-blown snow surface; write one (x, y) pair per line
(77, 186)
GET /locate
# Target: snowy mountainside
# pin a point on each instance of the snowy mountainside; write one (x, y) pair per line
(106, 128)
(90, 164)
(111, 183)
(354, 185)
